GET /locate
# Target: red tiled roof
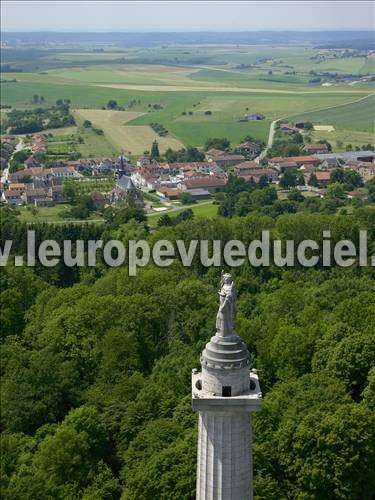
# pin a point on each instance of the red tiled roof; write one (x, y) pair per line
(323, 176)
(169, 191)
(210, 181)
(258, 173)
(10, 193)
(248, 164)
(227, 156)
(215, 152)
(316, 146)
(307, 159)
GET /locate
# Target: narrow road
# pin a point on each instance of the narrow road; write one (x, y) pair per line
(271, 136)
(271, 133)
(19, 147)
(4, 177)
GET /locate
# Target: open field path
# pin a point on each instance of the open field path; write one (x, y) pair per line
(271, 134)
(184, 88)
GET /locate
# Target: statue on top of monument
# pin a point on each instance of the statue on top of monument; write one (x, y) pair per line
(227, 308)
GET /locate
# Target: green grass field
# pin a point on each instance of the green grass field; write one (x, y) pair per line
(206, 210)
(134, 140)
(44, 214)
(94, 145)
(357, 116)
(226, 107)
(61, 148)
(89, 184)
(185, 83)
(53, 214)
(340, 138)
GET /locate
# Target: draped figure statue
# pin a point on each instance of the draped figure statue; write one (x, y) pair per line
(227, 308)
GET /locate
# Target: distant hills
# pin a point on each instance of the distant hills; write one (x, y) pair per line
(322, 39)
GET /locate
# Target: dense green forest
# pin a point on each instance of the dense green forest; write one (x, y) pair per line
(96, 365)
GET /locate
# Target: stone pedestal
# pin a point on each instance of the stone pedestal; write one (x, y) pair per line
(224, 470)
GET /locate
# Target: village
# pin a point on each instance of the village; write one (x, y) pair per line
(158, 185)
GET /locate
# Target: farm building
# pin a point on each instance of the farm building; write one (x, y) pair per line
(288, 129)
(252, 117)
(323, 178)
(248, 148)
(170, 193)
(211, 183)
(316, 148)
(226, 159)
(256, 174)
(367, 156)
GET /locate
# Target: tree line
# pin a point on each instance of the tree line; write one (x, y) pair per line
(96, 369)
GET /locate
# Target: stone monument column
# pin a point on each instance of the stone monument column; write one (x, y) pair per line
(225, 393)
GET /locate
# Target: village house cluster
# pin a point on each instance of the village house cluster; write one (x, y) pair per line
(38, 185)
(202, 179)
(41, 186)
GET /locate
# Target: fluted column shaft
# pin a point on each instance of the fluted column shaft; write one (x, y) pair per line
(224, 456)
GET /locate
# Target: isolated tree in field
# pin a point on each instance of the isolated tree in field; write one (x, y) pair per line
(296, 195)
(35, 98)
(165, 220)
(154, 150)
(186, 198)
(185, 215)
(87, 124)
(112, 104)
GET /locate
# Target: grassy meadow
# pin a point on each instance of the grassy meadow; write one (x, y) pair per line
(357, 116)
(206, 209)
(339, 138)
(195, 92)
(131, 139)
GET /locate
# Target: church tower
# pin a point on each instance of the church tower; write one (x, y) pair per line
(225, 393)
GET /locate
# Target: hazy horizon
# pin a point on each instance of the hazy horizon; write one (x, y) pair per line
(186, 16)
(189, 31)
